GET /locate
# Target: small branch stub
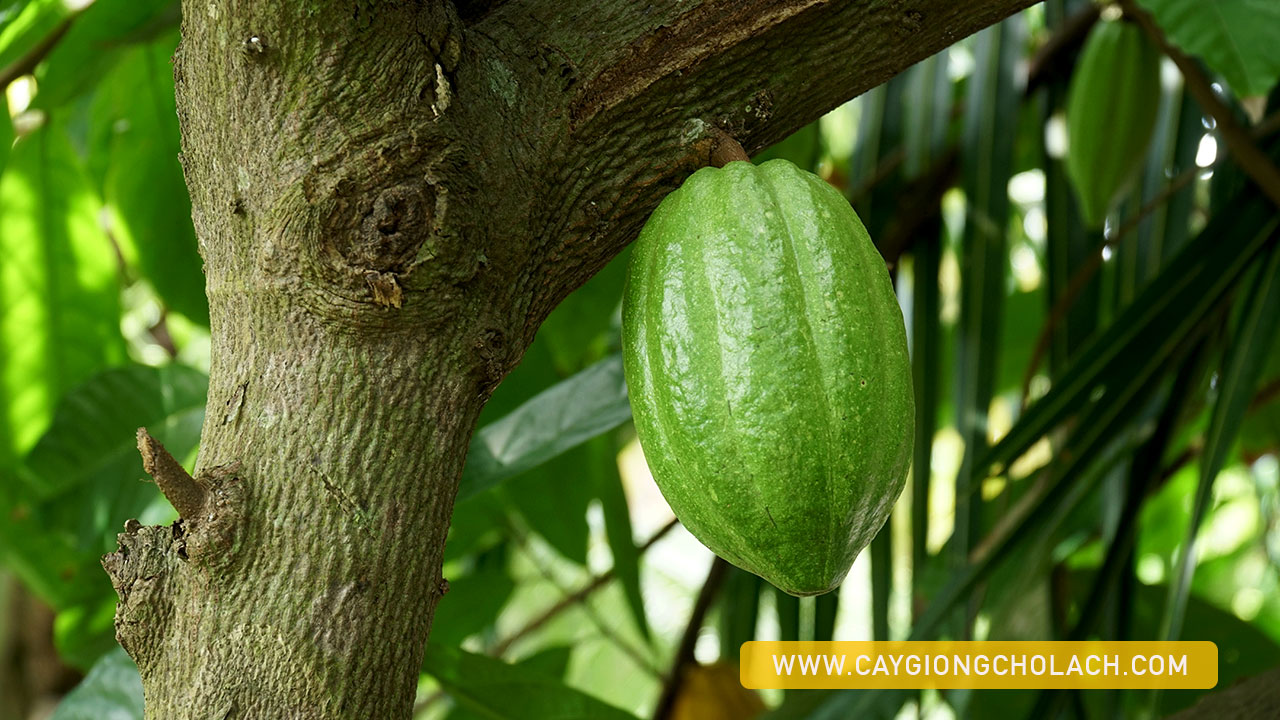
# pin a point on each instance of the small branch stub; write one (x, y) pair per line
(187, 496)
(726, 149)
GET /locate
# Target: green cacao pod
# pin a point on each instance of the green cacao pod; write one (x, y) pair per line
(1111, 112)
(767, 365)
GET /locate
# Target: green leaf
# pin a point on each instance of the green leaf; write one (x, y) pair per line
(136, 120)
(558, 419)
(96, 41)
(1244, 650)
(84, 478)
(584, 326)
(493, 689)
(1237, 38)
(32, 22)
(553, 499)
(926, 113)
(474, 600)
(1245, 358)
(111, 691)
(59, 290)
(926, 369)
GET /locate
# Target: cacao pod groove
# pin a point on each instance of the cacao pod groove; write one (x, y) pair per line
(767, 366)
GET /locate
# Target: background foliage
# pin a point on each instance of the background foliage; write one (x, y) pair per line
(1097, 431)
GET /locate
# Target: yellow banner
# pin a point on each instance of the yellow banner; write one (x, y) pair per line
(1087, 665)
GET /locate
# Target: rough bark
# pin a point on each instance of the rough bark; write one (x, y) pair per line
(390, 197)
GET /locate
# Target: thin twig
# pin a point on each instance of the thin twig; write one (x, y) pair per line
(578, 596)
(1240, 144)
(684, 654)
(27, 64)
(186, 495)
(645, 663)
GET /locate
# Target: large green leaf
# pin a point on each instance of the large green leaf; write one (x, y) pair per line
(111, 691)
(59, 287)
(84, 478)
(475, 599)
(739, 610)
(493, 689)
(102, 33)
(1235, 37)
(136, 126)
(553, 499)
(558, 419)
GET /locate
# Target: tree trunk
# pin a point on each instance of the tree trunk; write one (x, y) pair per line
(390, 197)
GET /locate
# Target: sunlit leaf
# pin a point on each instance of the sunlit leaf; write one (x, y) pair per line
(137, 125)
(59, 306)
(25, 25)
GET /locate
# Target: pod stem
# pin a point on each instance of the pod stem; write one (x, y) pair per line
(726, 149)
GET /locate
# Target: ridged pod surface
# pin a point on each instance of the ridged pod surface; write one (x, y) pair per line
(1111, 112)
(767, 365)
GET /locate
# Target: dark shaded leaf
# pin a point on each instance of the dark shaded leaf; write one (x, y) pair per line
(1141, 339)
(493, 689)
(558, 419)
(1245, 358)
(100, 35)
(987, 162)
(617, 528)
(739, 608)
(111, 691)
(474, 600)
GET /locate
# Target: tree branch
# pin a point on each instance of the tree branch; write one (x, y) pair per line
(26, 64)
(688, 641)
(179, 488)
(637, 92)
